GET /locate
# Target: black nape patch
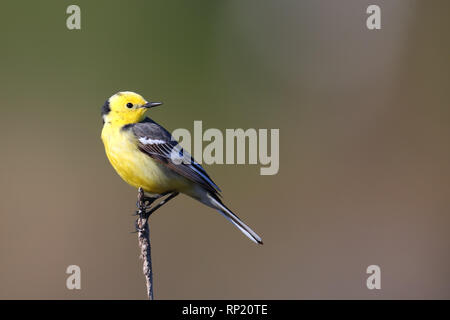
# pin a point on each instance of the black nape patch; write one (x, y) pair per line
(106, 109)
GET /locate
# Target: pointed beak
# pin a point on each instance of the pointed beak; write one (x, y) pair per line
(149, 105)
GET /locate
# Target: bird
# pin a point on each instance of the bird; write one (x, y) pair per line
(145, 155)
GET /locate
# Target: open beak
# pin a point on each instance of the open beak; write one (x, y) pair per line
(149, 105)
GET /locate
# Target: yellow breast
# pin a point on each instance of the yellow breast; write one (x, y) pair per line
(134, 166)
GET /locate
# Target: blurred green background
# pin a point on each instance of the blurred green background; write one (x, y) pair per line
(364, 147)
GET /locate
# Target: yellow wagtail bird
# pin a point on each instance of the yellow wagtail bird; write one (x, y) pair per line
(146, 155)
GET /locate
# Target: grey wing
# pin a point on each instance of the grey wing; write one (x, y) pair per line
(158, 143)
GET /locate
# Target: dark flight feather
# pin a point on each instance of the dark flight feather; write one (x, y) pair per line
(163, 148)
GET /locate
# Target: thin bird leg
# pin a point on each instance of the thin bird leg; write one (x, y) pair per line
(144, 203)
(150, 200)
(163, 202)
(142, 208)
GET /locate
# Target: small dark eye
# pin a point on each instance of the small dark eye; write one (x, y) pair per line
(129, 105)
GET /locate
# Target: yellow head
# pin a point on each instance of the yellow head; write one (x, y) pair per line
(125, 107)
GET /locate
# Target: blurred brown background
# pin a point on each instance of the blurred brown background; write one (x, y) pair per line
(364, 147)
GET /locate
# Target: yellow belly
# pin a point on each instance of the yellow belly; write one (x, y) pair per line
(137, 168)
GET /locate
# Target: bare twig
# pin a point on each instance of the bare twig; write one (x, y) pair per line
(143, 231)
(144, 211)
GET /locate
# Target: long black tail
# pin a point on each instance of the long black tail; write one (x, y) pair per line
(234, 219)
